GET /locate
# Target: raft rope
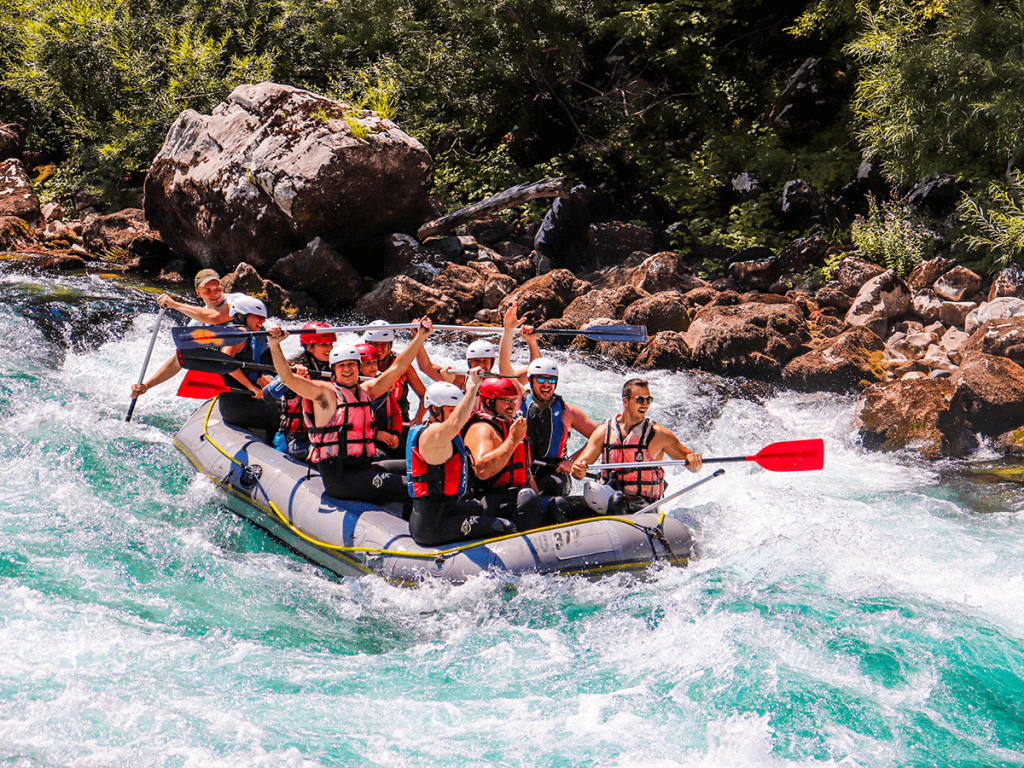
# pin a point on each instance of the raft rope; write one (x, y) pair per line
(438, 556)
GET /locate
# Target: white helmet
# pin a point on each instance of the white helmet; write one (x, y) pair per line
(597, 495)
(543, 366)
(380, 334)
(342, 352)
(481, 348)
(247, 305)
(442, 393)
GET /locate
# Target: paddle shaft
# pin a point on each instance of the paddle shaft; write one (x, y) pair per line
(660, 502)
(668, 463)
(145, 362)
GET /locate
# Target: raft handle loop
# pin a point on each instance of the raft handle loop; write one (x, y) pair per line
(250, 476)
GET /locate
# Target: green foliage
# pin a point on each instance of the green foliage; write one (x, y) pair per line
(999, 222)
(891, 236)
(939, 87)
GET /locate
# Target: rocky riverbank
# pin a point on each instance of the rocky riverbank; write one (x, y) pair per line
(308, 205)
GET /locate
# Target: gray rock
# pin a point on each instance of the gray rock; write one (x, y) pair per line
(321, 272)
(879, 300)
(274, 167)
(996, 309)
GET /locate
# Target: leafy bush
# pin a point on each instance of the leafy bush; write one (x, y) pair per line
(890, 236)
(999, 222)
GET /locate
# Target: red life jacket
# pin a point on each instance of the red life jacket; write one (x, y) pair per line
(387, 413)
(348, 433)
(648, 482)
(516, 473)
(435, 480)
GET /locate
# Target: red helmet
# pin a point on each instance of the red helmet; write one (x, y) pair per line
(367, 352)
(497, 386)
(316, 338)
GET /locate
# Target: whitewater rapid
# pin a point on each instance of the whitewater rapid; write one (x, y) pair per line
(867, 614)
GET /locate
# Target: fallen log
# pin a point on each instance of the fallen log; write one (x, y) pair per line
(485, 209)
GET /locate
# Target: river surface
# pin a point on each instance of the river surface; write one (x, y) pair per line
(870, 614)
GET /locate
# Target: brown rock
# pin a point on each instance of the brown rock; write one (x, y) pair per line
(756, 274)
(1007, 282)
(11, 137)
(16, 195)
(400, 299)
(957, 283)
(747, 339)
(546, 296)
(404, 255)
(879, 300)
(1004, 338)
(699, 297)
(926, 273)
(664, 272)
(463, 284)
(498, 286)
(665, 311)
(605, 302)
(666, 351)
(321, 272)
(15, 233)
(926, 415)
(115, 231)
(927, 305)
(994, 387)
(832, 295)
(839, 364)
(855, 272)
(1010, 443)
(954, 313)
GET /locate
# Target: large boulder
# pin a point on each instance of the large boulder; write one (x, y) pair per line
(839, 364)
(925, 415)
(750, 339)
(994, 387)
(16, 195)
(603, 302)
(664, 311)
(879, 300)
(321, 272)
(11, 137)
(275, 167)
(546, 296)
(15, 233)
(666, 351)
(400, 299)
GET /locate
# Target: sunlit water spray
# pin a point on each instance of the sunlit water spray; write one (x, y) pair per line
(868, 614)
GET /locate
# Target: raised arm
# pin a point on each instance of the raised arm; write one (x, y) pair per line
(386, 380)
(490, 454)
(297, 384)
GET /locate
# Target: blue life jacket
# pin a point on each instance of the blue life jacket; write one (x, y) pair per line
(545, 429)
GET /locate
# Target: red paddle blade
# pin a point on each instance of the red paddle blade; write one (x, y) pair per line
(202, 385)
(794, 456)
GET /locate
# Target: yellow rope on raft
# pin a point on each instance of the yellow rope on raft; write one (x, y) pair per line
(441, 553)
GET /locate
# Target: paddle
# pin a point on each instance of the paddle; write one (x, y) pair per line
(660, 502)
(792, 456)
(203, 385)
(215, 361)
(216, 336)
(145, 363)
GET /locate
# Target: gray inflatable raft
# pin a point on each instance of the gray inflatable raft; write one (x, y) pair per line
(286, 499)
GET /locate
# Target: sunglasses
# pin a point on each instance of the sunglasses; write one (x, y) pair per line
(507, 400)
(546, 379)
(643, 400)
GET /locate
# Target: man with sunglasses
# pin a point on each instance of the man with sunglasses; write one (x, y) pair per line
(632, 437)
(548, 422)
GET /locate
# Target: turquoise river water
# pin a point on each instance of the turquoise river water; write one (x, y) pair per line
(870, 614)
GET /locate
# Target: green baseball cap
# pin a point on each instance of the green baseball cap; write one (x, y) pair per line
(204, 276)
